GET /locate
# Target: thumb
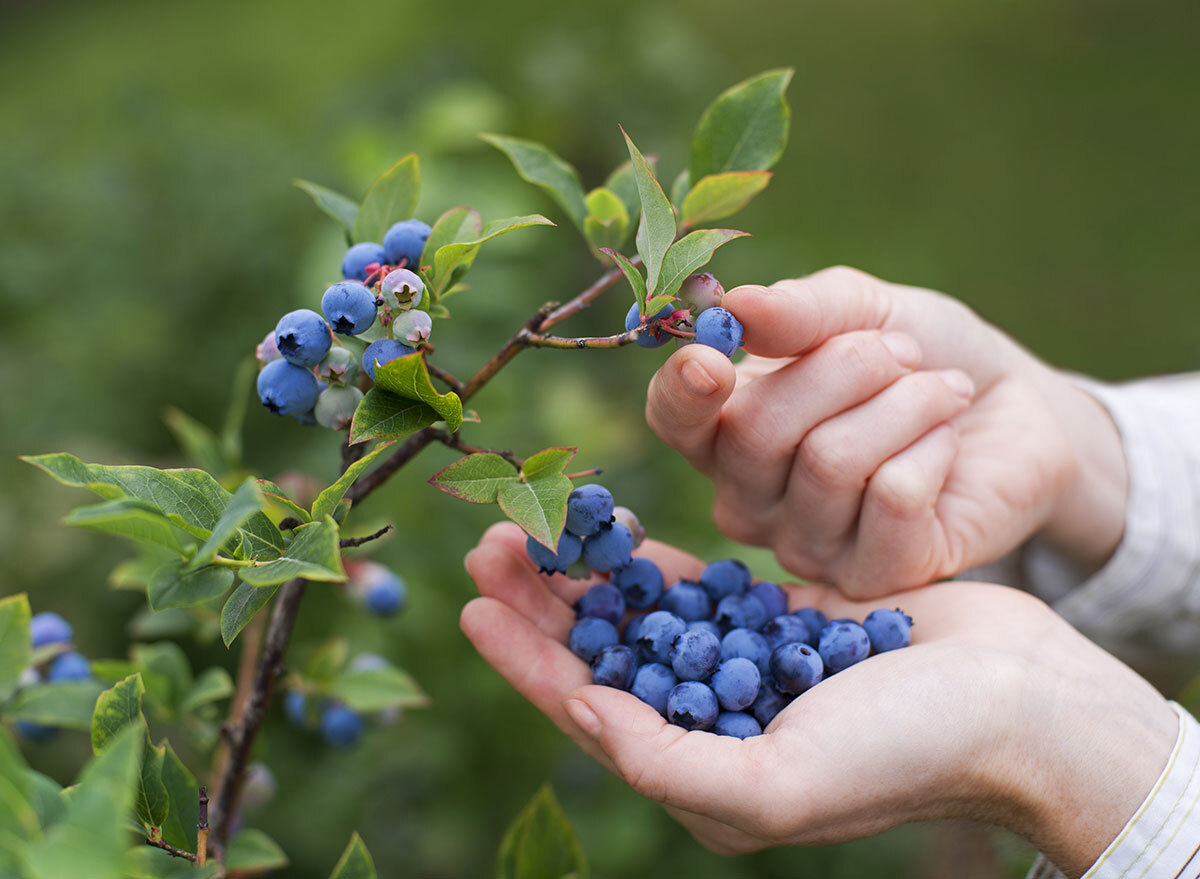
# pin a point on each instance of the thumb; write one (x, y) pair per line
(683, 403)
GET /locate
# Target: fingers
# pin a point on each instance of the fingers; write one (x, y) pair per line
(684, 401)
(502, 573)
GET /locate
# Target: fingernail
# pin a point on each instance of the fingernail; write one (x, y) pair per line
(585, 718)
(467, 561)
(903, 347)
(697, 380)
(959, 382)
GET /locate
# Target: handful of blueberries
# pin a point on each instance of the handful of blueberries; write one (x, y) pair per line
(720, 654)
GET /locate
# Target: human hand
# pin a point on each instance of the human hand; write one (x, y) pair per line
(882, 436)
(999, 711)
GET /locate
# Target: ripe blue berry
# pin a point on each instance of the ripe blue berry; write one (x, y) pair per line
(769, 702)
(604, 600)
(295, 706)
(842, 644)
(740, 612)
(692, 705)
(383, 351)
(640, 581)
(335, 407)
(358, 257)
(303, 337)
(784, 629)
(349, 307)
(49, 628)
(629, 636)
(655, 635)
(748, 644)
(772, 597)
(70, 666)
(726, 577)
(405, 241)
(888, 629)
(707, 625)
(688, 601)
(36, 732)
(591, 635)
(652, 684)
(694, 654)
(653, 338)
(719, 329)
(614, 667)
(609, 548)
(386, 597)
(795, 667)
(588, 507)
(286, 389)
(569, 548)
(701, 292)
(341, 726)
(736, 723)
(736, 682)
(815, 620)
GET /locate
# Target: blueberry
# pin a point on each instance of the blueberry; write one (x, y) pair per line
(412, 326)
(688, 601)
(259, 787)
(349, 307)
(358, 257)
(701, 292)
(70, 666)
(772, 597)
(629, 636)
(707, 625)
(842, 644)
(629, 519)
(589, 507)
(286, 389)
(652, 684)
(341, 726)
(386, 598)
(36, 732)
(795, 667)
(784, 629)
(401, 289)
(383, 351)
(654, 337)
(692, 705)
(303, 337)
(591, 635)
(614, 667)
(295, 706)
(49, 628)
(888, 629)
(736, 682)
(769, 702)
(405, 241)
(657, 631)
(604, 600)
(740, 612)
(719, 329)
(335, 407)
(339, 367)
(609, 548)
(749, 644)
(569, 548)
(726, 577)
(736, 723)
(640, 581)
(694, 654)
(815, 620)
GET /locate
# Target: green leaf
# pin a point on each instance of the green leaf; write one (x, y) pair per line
(680, 188)
(462, 253)
(327, 661)
(68, 704)
(355, 862)
(689, 254)
(722, 195)
(174, 586)
(313, 555)
(658, 217)
(657, 303)
(476, 478)
(623, 183)
(333, 204)
(328, 499)
(150, 800)
(541, 167)
(607, 222)
(116, 708)
(379, 689)
(45, 796)
(632, 275)
(408, 377)
(16, 647)
(548, 462)
(183, 794)
(541, 843)
(199, 444)
(240, 607)
(213, 685)
(275, 494)
(391, 198)
(381, 415)
(246, 501)
(19, 817)
(745, 129)
(144, 862)
(165, 672)
(457, 224)
(128, 517)
(252, 850)
(539, 506)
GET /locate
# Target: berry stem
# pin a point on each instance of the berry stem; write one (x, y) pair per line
(584, 299)
(537, 340)
(349, 542)
(157, 842)
(454, 441)
(674, 331)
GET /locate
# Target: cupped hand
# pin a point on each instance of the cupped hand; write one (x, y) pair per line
(882, 436)
(998, 711)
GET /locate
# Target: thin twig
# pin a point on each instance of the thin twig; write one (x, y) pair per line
(251, 642)
(447, 377)
(511, 349)
(170, 849)
(351, 453)
(584, 299)
(408, 450)
(454, 441)
(537, 340)
(349, 542)
(202, 829)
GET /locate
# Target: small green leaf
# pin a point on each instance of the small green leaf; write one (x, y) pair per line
(246, 501)
(391, 198)
(680, 188)
(128, 517)
(539, 506)
(689, 254)
(657, 227)
(19, 818)
(240, 607)
(16, 647)
(457, 224)
(408, 377)
(632, 275)
(333, 204)
(461, 254)
(213, 685)
(355, 862)
(607, 223)
(745, 129)
(165, 671)
(541, 167)
(623, 183)
(328, 499)
(379, 689)
(150, 799)
(541, 843)
(68, 704)
(252, 850)
(313, 555)
(116, 708)
(657, 303)
(173, 586)
(548, 462)
(276, 495)
(199, 444)
(183, 794)
(476, 478)
(722, 195)
(327, 661)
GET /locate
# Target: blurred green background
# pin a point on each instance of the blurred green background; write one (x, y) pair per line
(1036, 158)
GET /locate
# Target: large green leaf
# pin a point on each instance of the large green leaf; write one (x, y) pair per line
(391, 198)
(462, 253)
(68, 704)
(539, 506)
(174, 586)
(240, 607)
(246, 501)
(129, 517)
(183, 794)
(657, 229)
(150, 799)
(541, 167)
(745, 129)
(213, 685)
(313, 555)
(548, 462)
(722, 195)
(680, 188)
(328, 499)
(333, 204)
(253, 851)
(689, 254)
(19, 819)
(541, 844)
(355, 862)
(276, 495)
(632, 275)
(381, 415)
(623, 183)
(607, 223)
(408, 377)
(476, 478)
(118, 707)
(457, 224)
(15, 645)
(379, 689)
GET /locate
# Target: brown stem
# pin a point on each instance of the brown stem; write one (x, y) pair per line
(447, 377)
(584, 299)
(408, 450)
(351, 453)
(454, 441)
(170, 849)
(350, 542)
(511, 349)
(202, 829)
(251, 643)
(537, 340)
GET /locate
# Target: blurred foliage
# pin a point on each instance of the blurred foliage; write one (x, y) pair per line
(1035, 158)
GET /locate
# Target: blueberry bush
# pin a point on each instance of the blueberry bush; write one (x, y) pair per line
(223, 550)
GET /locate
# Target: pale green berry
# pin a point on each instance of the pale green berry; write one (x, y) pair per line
(335, 407)
(339, 366)
(412, 326)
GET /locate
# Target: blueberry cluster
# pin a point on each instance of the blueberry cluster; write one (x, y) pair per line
(54, 634)
(701, 298)
(338, 724)
(310, 368)
(722, 653)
